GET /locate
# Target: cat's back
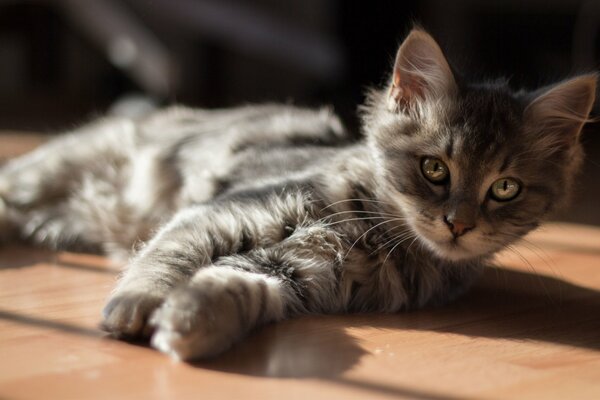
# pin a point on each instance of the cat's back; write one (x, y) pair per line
(240, 126)
(218, 151)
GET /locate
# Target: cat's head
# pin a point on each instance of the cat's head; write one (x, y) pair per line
(472, 167)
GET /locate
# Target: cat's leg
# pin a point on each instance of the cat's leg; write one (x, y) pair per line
(291, 124)
(194, 238)
(47, 172)
(224, 302)
(216, 310)
(38, 183)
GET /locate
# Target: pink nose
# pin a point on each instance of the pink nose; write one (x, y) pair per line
(458, 227)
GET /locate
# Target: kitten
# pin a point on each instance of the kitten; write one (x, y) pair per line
(256, 214)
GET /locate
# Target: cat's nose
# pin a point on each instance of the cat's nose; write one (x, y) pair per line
(457, 226)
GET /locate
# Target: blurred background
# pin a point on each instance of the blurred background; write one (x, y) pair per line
(65, 62)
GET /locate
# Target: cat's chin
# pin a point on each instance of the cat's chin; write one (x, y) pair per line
(453, 251)
(450, 250)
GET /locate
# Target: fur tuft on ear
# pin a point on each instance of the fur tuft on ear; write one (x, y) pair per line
(421, 72)
(562, 110)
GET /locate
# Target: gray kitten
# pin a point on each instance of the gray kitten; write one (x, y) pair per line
(256, 214)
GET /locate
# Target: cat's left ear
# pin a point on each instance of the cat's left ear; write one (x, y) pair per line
(421, 72)
(563, 110)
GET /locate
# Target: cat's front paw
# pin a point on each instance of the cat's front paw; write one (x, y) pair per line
(195, 323)
(126, 314)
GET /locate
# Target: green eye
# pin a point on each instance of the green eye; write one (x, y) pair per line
(434, 170)
(505, 189)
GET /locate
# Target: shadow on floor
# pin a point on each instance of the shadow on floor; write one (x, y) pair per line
(505, 304)
(24, 256)
(49, 324)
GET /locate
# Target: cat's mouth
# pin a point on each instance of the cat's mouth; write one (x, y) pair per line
(453, 249)
(448, 248)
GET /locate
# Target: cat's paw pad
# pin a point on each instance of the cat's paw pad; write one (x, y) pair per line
(126, 315)
(192, 324)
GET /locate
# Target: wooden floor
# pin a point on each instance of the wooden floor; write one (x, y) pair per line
(516, 335)
(530, 329)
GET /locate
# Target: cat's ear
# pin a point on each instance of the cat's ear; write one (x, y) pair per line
(562, 110)
(421, 72)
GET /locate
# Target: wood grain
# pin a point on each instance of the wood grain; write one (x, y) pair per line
(530, 329)
(518, 334)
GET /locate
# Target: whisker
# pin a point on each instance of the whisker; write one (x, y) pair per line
(411, 243)
(420, 246)
(544, 257)
(347, 200)
(547, 260)
(525, 260)
(360, 212)
(393, 248)
(366, 232)
(387, 232)
(352, 219)
(393, 239)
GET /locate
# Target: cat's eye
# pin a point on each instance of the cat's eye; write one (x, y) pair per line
(505, 189)
(435, 170)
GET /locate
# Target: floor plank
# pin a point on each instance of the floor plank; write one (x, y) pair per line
(518, 334)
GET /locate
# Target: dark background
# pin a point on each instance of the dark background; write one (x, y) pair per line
(64, 62)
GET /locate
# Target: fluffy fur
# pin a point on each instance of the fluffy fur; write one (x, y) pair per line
(235, 218)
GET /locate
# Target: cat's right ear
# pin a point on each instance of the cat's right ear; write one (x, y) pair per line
(421, 72)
